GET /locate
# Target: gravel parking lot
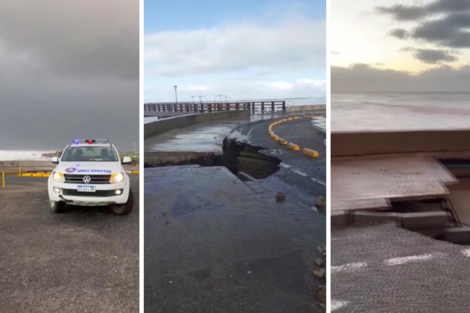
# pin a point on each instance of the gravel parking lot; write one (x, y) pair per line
(84, 260)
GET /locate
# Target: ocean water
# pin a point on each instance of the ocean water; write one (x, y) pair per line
(400, 111)
(23, 155)
(295, 101)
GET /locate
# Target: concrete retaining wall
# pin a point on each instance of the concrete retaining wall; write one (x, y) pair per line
(167, 124)
(411, 221)
(371, 143)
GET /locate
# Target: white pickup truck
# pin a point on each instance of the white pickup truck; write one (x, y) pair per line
(90, 173)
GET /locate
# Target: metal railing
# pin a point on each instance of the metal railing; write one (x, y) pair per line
(208, 107)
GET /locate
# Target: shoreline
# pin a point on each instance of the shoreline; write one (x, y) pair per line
(44, 155)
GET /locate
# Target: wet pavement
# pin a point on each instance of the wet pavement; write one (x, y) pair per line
(221, 245)
(301, 176)
(203, 137)
(391, 270)
(84, 260)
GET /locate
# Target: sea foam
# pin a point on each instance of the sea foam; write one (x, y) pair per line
(23, 155)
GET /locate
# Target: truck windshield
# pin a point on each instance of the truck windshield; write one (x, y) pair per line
(90, 154)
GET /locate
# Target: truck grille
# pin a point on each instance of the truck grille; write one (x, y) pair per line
(98, 193)
(95, 179)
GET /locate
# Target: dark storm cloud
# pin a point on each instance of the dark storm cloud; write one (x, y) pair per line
(432, 56)
(366, 78)
(68, 69)
(75, 38)
(412, 12)
(446, 6)
(48, 115)
(403, 12)
(451, 31)
(399, 33)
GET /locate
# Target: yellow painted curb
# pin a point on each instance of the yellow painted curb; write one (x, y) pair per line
(293, 146)
(284, 120)
(296, 118)
(281, 141)
(290, 119)
(276, 138)
(36, 174)
(310, 153)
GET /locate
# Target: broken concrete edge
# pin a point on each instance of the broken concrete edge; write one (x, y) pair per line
(410, 221)
(457, 235)
(421, 220)
(245, 177)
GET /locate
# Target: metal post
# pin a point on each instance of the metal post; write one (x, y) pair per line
(192, 98)
(176, 94)
(3, 180)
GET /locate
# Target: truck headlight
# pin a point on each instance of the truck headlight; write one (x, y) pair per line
(59, 177)
(117, 178)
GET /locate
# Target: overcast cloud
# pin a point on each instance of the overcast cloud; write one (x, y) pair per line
(250, 59)
(68, 69)
(435, 33)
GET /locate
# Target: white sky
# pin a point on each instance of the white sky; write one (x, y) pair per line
(248, 59)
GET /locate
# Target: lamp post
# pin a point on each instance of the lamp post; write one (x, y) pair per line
(176, 94)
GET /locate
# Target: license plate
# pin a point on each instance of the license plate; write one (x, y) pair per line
(86, 188)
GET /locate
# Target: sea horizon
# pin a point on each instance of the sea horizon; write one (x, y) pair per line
(289, 101)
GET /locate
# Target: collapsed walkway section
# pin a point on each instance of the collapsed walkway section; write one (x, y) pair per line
(376, 175)
(212, 240)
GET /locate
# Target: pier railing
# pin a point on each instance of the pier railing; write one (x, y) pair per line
(207, 107)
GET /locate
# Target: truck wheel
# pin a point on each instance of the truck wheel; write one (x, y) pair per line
(125, 208)
(57, 206)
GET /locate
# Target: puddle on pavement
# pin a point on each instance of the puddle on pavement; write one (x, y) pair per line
(235, 156)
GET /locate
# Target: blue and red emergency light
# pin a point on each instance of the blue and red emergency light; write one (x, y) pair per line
(90, 141)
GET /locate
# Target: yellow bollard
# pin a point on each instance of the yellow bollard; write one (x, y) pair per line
(3, 180)
(19, 171)
(310, 152)
(293, 146)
